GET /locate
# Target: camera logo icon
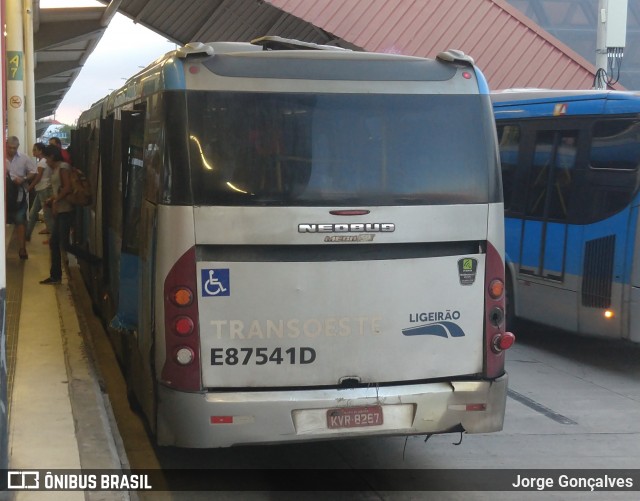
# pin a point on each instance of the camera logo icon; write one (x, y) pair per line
(23, 479)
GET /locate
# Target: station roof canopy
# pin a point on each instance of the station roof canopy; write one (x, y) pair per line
(511, 49)
(63, 39)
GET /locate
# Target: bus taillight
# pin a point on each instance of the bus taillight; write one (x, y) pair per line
(181, 296)
(183, 326)
(181, 369)
(184, 355)
(496, 339)
(502, 341)
(496, 288)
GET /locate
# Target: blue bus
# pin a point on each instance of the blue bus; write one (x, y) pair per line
(570, 174)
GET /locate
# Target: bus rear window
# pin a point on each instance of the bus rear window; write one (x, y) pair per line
(332, 149)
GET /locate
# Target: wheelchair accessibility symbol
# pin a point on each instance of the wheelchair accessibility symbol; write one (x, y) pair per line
(216, 282)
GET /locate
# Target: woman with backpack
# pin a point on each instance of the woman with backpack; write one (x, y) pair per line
(63, 215)
(62, 211)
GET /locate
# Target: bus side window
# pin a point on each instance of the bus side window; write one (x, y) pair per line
(552, 174)
(564, 174)
(133, 178)
(615, 145)
(509, 142)
(612, 177)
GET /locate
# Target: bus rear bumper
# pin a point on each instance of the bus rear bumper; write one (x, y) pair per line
(207, 420)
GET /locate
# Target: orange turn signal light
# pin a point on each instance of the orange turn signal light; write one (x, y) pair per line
(182, 296)
(496, 288)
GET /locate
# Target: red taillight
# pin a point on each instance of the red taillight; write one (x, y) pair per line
(502, 342)
(183, 326)
(181, 369)
(496, 339)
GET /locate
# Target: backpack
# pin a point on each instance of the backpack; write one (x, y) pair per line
(80, 194)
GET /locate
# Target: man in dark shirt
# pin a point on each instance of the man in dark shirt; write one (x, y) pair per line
(21, 170)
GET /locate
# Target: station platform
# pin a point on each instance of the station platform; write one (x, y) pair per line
(59, 418)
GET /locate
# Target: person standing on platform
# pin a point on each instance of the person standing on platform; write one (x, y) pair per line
(66, 156)
(20, 170)
(42, 184)
(62, 211)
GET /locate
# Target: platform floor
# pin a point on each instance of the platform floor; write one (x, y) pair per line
(58, 416)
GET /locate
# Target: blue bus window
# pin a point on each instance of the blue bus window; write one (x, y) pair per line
(509, 140)
(615, 144)
(551, 176)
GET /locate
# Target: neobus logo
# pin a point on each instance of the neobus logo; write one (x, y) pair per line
(347, 228)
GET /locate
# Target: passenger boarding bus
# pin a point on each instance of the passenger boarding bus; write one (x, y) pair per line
(300, 242)
(570, 172)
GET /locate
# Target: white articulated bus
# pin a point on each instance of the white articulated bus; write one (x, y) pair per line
(300, 242)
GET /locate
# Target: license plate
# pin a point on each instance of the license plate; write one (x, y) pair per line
(354, 417)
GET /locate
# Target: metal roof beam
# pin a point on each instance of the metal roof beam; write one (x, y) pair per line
(45, 111)
(45, 70)
(110, 11)
(51, 88)
(200, 30)
(142, 11)
(48, 100)
(56, 34)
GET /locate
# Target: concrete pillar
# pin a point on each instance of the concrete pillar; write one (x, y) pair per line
(15, 73)
(29, 78)
(4, 404)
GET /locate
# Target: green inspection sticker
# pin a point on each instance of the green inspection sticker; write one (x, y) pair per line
(467, 268)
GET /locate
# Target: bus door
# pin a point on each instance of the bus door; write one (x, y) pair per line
(133, 319)
(545, 233)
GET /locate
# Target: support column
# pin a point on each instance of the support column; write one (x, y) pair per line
(15, 73)
(29, 78)
(4, 404)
